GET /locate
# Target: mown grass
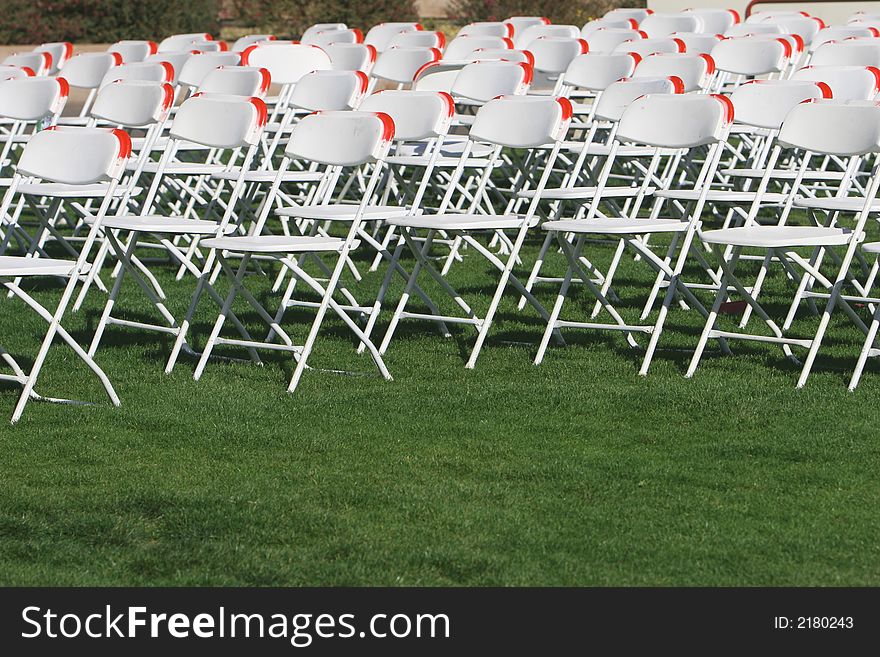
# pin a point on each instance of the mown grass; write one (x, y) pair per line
(577, 472)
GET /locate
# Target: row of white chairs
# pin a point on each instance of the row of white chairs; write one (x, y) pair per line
(234, 181)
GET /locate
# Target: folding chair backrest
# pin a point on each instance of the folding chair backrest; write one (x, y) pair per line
(806, 27)
(483, 81)
(554, 54)
(751, 29)
(32, 99)
(858, 52)
(324, 39)
(677, 120)
(462, 47)
(840, 33)
(621, 94)
(177, 59)
(208, 46)
(243, 42)
(133, 52)
(420, 39)
(148, 71)
(524, 39)
(523, 56)
(401, 64)
(437, 76)
(39, 62)
(698, 43)
(661, 25)
(341, 138)
(352, 56)
(845, 82)
(695, 71)
(177, 42)
(134, 103)
(646, 47)
(198, 66)
(321, 27)
(522, 121)
(487, 28)
(595, 71)
(417, 115)
(766, 103)
(286, 62)
(61, 52)
(380, 35)
(833, 128)
(237, 81)
(604, 23)
(329, 90)
(752, 55)
(714, 21)
(76, 156)
(220, 121)
(773, 15)
(87, 70)
(9, 72)
(607, 40)
(638, 14)
(521, 23)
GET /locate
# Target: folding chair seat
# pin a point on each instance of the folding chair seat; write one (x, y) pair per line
(227, 123)
(678, 122)
(855, 52)
(646, 47)
(39, 62)
(74, 156)
(379, 36)
(333, 140)
(607, 40)
(522, 39)
(462, 48)
(419, 39)
(695, 71)
(638, 14)
(819, 128)
(663, 24)
(329, 37)
(197, 67)
(180, 42)
(514, 122)
(352, 56)
(697, 43)
(845, 82)
(60, 51)
(488, 28)
(133, 52)
(713, 21)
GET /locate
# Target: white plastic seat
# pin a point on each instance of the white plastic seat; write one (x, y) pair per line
(778, 236)
(616, 226)
(339, 212)
(15, 266)
(274, 244)
(161, 225)
(464, 221)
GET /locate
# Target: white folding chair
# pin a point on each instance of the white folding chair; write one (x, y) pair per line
(198, 67)
(819, 128)
(322, 39)
(334, 140)
(521, 23)
(39, 62)
(352, 56)
(67, 156)
(178, 42)
(647, 47)
(462, 48)
(659, 25)
(513, 122)
(402, 65)
(522, 38)
(677, 122)
(488, 28)
(321, 27)
(61, 52)
(380, 36)
(86, 71)
(419, 39)
(713, 21)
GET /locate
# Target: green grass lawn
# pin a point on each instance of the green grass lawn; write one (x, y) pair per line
(577, 472)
